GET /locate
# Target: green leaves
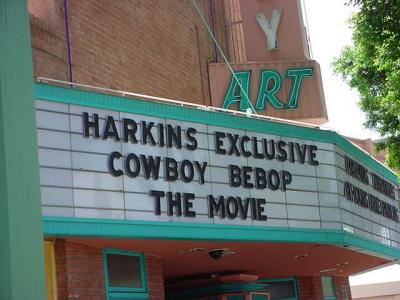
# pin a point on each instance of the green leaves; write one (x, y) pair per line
(372, 66)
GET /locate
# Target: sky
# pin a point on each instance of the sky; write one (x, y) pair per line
(329, 33)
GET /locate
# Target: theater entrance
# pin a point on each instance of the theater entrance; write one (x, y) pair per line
(224, 270)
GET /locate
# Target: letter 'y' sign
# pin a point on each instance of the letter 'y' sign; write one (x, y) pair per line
(270, 28)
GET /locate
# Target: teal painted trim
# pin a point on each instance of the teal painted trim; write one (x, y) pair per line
(230, 288)
(59, 226)
(215, 290)
(97, 100)
(263, 280)
(259, 297)
(124, 296)
(125, 291)
(22, 274)
(236, 297)
(296, 289)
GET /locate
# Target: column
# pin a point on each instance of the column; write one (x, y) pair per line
(21, 237)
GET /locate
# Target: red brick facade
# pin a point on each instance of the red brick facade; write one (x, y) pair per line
(155, 277)
(79, 271)
(310, 288)
(154, 47)
(342, 288)
(80, 274)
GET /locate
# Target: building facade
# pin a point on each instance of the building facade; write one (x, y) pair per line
(381, 291)
(229, 189)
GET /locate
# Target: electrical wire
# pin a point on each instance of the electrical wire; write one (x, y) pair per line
(303, 4)
(204, 21)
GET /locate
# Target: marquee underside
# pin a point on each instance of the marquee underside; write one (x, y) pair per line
(190, 259)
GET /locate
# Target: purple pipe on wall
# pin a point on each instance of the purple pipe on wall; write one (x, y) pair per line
(68, 41)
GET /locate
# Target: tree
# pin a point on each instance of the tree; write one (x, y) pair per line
(372, 66)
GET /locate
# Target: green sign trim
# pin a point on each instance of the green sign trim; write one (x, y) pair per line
(297, 75)
(234, 94)
(61, 226)
(270, 84)
(268, 94)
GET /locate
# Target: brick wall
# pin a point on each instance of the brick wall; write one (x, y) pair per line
(369, 146)
(310, 288)
(79, 270)
(156, 47)
(155, 277)
(236, 42)
(48, 39)
(343, 288)
(80, 274)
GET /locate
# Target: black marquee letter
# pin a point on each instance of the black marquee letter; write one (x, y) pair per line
(130, 129)
(260, 210)
(235, 178)
(273, 184)
(219, 143)
(232, 207)
(216, 207)
(132, 173)
(191, 143)
(187, 205)
(91, 124)
(286, 179)
(313, 155)
(110, 130)
(111, 168)
(157, 201)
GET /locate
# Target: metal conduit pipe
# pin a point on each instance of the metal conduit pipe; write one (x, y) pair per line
(211, 10)
(69, 60)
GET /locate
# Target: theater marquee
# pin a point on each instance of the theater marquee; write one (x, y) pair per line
(155, 165)
(186, 171)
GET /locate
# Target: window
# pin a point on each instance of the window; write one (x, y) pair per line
(328, 288)
(283, 289)
(125, 275)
